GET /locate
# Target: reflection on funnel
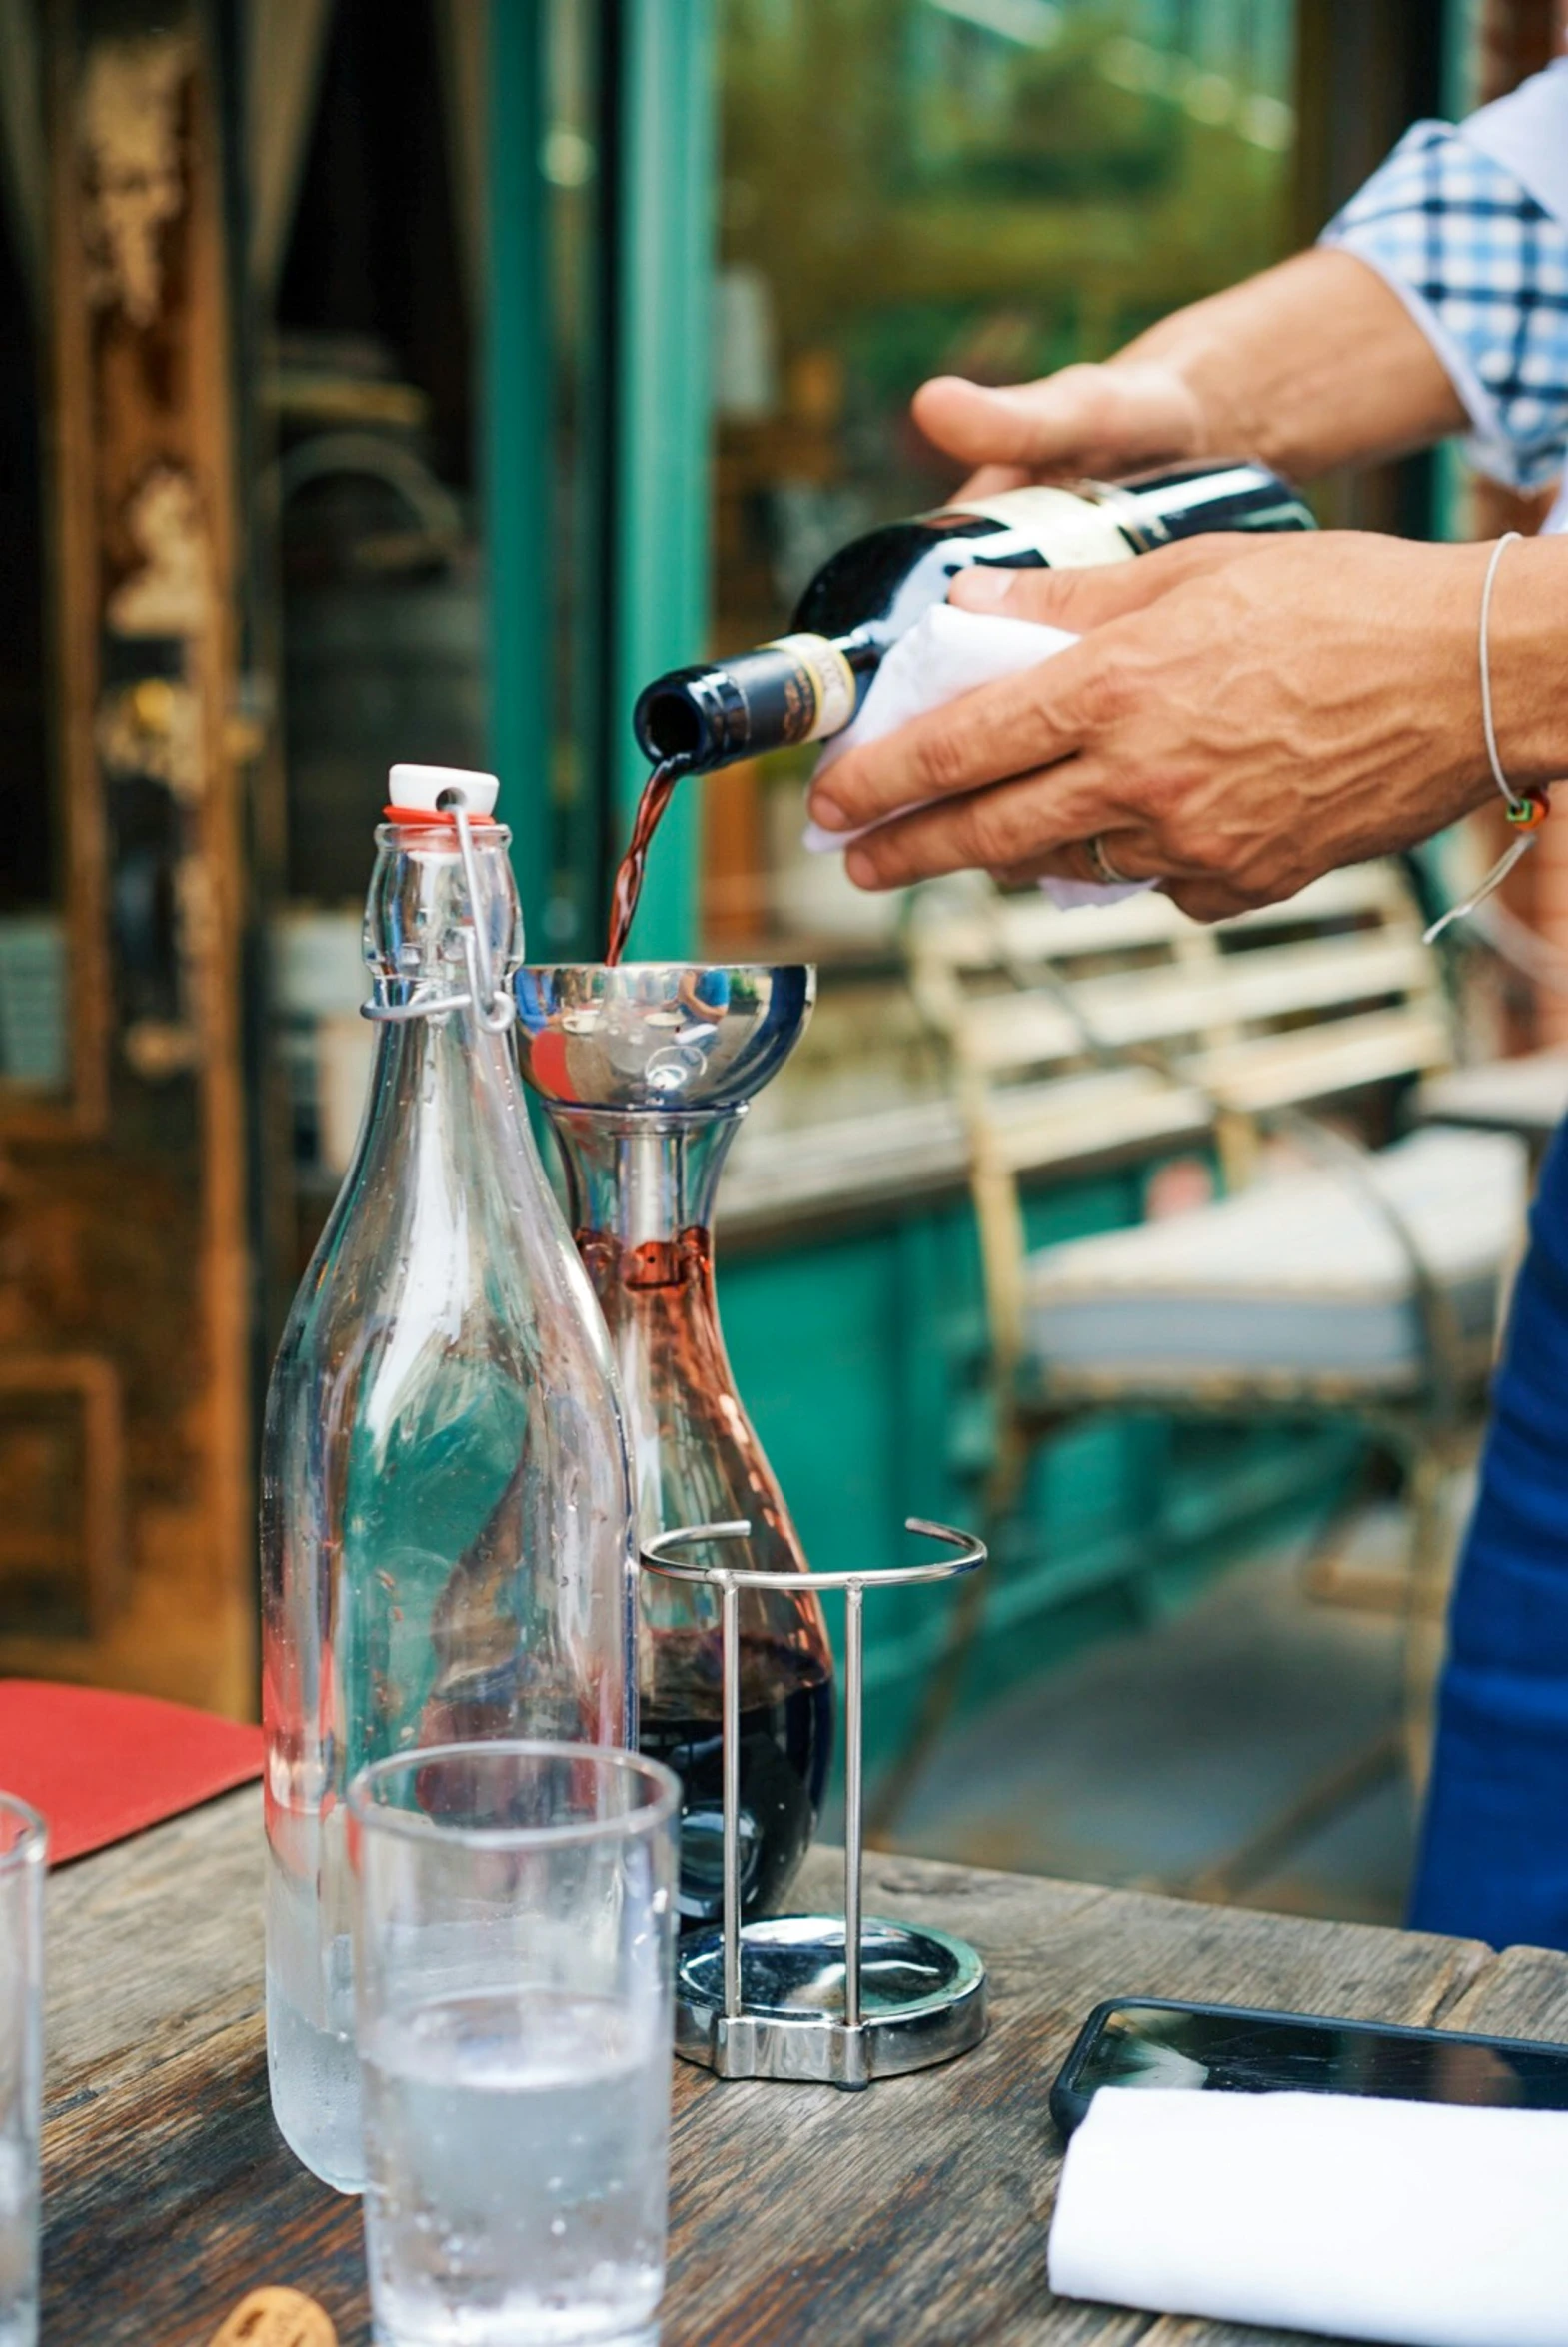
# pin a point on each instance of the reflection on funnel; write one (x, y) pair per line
(655, 1035)
(645, 1069)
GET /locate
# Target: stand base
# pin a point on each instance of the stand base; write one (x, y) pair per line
(922, 2001)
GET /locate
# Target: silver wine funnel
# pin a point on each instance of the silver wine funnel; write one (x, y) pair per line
(668, 1037)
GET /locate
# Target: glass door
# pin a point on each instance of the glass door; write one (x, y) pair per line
(990, 188)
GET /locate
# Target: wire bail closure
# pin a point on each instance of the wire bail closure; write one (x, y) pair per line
(494, 1006)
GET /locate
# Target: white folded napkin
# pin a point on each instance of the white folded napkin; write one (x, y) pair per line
(1424, 2223)
(948, 652)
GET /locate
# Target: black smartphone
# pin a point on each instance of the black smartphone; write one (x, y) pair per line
(1224, 2048)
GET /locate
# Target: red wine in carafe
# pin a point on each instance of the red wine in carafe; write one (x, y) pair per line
(786, 1735)
(687, 1427)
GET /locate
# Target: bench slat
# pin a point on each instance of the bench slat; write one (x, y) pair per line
(1133, 1007)
(1032, 1098)
(1031, 929)
(1314, 1063)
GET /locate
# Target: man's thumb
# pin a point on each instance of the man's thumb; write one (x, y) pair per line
(1082, 420)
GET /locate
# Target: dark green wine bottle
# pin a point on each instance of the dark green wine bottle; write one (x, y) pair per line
(808, 683)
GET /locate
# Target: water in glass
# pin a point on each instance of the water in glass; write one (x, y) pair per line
(517, 2146)
(515, 1933)
(23, 1847)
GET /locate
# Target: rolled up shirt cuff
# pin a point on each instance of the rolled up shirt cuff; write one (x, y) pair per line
(1483, 268)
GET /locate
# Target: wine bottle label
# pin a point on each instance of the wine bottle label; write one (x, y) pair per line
(829, 681)
(1071, 532)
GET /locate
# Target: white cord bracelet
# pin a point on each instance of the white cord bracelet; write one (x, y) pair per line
(1528, 808)
(1520, 810)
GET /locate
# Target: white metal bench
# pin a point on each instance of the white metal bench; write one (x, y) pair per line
(1360, 1284)
(1140, 970)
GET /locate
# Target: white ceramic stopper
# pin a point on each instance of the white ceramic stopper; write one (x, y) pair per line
(418, 788)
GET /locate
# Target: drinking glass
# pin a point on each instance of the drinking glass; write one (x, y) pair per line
(23, 1843)
(515, 1908)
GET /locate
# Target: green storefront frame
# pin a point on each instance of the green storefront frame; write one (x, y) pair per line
(642, 442)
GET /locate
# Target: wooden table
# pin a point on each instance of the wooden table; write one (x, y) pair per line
(917, 2212)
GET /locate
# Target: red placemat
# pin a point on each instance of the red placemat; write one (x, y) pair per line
(101, 1767)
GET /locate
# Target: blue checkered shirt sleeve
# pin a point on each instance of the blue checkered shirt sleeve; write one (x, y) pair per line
(1484, 271)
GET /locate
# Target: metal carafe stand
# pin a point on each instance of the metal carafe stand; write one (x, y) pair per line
(839, 2000)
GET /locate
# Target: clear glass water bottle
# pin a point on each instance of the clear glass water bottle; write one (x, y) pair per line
(446, 1503)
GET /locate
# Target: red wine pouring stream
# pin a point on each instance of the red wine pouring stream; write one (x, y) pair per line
(658, 791)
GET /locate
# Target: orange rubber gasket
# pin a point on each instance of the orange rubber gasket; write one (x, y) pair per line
(418, 816)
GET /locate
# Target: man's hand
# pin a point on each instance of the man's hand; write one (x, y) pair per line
(1110, 419)
(1248, 712)
(1242, 715)
(1315, 362)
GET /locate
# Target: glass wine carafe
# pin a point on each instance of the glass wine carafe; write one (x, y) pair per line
(645, 1070)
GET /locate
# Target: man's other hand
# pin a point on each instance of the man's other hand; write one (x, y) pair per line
(1111, 418)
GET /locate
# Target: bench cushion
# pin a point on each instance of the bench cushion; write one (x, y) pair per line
(1528, 1094)
(1298, 1278)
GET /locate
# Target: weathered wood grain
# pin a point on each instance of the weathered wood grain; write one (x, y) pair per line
(920, 2211)
(1521, 1994)
(152, 1945)
(915, 2214)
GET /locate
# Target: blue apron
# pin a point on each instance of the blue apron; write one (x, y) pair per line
(1494, 1854)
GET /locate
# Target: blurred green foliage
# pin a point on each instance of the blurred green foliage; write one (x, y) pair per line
(925, 192)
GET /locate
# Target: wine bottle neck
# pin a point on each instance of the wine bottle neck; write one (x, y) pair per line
(799, 688)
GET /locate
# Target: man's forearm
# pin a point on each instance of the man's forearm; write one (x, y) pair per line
(1313, 364)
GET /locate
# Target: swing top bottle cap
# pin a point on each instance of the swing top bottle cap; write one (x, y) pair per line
(415, 790)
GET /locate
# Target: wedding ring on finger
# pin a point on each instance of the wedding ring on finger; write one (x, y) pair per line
(1105, 870)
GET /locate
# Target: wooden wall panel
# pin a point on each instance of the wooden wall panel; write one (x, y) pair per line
(123, 1278)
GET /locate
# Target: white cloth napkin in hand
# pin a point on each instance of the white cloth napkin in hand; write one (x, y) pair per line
(1424, 2223)
(945, 653)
